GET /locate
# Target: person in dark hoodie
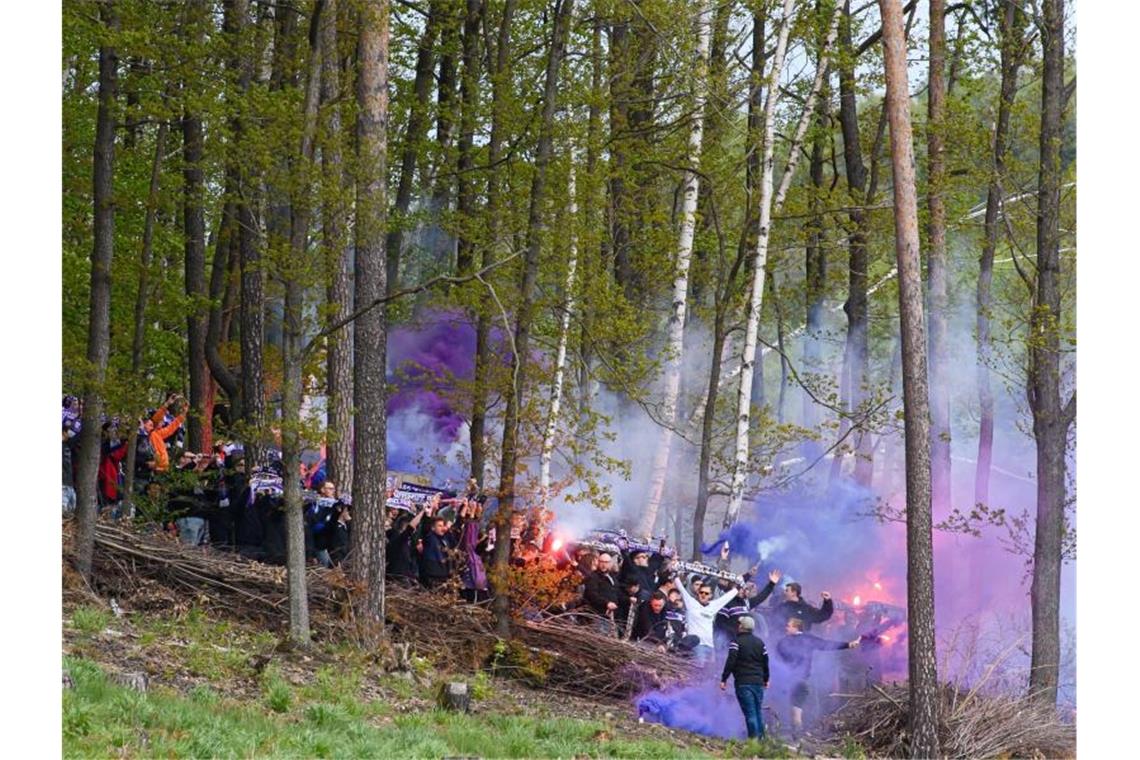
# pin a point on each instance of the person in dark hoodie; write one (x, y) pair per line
(796, 650)
(403, 533)
(435, 561)
(640, 569)
(747, 663)
(794, 606)
(340, 537)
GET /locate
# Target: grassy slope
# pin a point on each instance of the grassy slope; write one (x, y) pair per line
(219, 689)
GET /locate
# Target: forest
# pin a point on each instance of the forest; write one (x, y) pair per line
(795, 276)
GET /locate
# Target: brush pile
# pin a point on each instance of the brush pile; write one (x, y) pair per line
(154, 571)
(971, 725)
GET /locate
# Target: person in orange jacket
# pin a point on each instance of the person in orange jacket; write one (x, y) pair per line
(159, 435)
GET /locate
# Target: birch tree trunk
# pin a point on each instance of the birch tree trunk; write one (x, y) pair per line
(769, 204)
(507, 471)
(99, 310)
(369, 350)
(1051, 420)
(563, 337)
(916, 409)
(675, 342)
(936, 261)
(337, 185)
(1010, 31)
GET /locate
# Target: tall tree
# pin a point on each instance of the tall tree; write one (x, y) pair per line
(414, 134)
(919, 541)
(468, 118)
(194, 232)
(936, 267)
(1011, 27)
(99, 310)
(252, 302)
(335, 210)
(369, 349)
(500, 98)
(768, 204)
(1051, 417)
(562, 14)
(675, 340)
(295, 271)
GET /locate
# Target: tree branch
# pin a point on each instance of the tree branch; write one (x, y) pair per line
(440, 280)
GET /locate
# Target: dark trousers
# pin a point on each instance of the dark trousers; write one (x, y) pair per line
(751, 698)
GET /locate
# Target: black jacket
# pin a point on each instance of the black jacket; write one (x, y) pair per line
(435, 562)
(601, 588)
(786, 610)
(646, 578)
(339, 538)
(657, 627)
(401, 551)
(747, 661)
(796, 650)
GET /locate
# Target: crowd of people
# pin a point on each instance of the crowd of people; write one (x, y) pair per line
(442, 540)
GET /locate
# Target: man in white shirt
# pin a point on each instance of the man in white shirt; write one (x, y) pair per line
(700, 613)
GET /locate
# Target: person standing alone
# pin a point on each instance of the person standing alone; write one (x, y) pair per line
(747, 663)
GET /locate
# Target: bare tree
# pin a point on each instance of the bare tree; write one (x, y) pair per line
(919, 541)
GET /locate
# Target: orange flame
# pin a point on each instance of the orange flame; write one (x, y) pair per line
(556, 544)
(856, 601)
(878, 586)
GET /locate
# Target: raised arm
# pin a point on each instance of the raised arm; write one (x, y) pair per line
(716, 604)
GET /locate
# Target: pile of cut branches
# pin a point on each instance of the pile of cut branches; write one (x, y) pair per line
(154, 571)
(970, 724)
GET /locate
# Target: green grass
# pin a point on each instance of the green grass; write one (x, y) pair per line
(321, 719)
(90, 620)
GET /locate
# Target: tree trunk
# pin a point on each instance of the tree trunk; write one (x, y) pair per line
(99, 314)
(675, 341)
(369, 463)
(413, 139)
(855, 347)
(936, 262)
(138, 338)
(251, 316)
(1011, 29)
(769, 204)
(295, 271)
(562, 12)
(337, 186)
(919, 543)
(1051, 421)
(815, 274)
(219, 274)
(469, 105)
(500, 92)
(194, 229)
(563, 338)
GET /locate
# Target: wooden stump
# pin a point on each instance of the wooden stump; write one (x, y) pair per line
(132, 680)
(455, 696)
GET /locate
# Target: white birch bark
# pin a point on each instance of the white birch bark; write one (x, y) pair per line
(768, 206)
(563, 335)
(675, 340)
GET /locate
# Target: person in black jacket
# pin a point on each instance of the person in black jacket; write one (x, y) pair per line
(747, 663)
(793, 606)
(339, 538)
(796, 650)
(748, 599)
(603, 592)
(639, 568)
(435, 562)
